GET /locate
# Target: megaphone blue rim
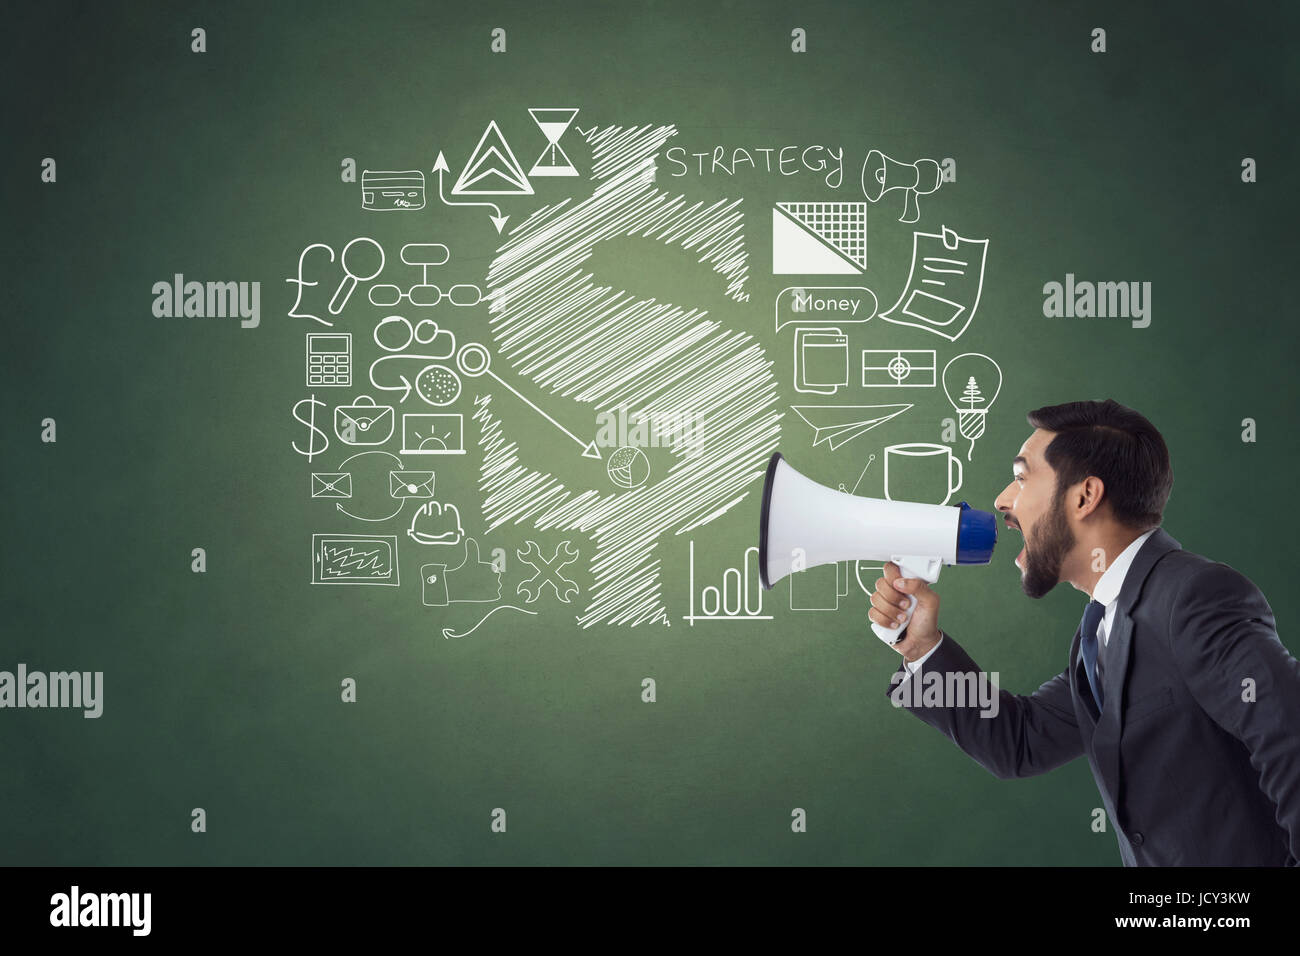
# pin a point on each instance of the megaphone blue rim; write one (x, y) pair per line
(762, 521)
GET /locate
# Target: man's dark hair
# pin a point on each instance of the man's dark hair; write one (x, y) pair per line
(1117, 445)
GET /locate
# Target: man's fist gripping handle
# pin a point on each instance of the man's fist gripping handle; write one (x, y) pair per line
(903, 600)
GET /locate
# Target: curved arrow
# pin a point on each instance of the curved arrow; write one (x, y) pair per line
(359, 518)
(440, 167)
(406, 386)
(373, 451)
(449, 633)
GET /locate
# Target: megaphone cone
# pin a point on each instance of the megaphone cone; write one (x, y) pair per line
(805, 524)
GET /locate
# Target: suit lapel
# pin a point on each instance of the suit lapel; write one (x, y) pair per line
(1119, 648)
(1108, 727)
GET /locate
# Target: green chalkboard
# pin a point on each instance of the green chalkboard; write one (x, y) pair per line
(663, 241)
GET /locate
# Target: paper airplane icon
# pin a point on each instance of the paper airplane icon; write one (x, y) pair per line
(492, 169)
(837, 424)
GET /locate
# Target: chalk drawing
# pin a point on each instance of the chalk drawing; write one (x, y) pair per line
(554, 323)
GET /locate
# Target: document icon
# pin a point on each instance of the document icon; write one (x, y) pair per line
(944, 286)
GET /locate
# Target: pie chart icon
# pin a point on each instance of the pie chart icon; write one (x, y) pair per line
(628, 467)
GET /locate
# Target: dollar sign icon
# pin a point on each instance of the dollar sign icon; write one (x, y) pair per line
(310, 421)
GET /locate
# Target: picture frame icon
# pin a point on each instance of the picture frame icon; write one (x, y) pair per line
(354, 559)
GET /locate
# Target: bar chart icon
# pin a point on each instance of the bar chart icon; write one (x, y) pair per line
(738, 596)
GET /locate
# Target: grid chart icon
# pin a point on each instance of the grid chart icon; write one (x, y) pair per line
(841, 225)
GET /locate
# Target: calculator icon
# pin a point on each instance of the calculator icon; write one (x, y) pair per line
(329, 358)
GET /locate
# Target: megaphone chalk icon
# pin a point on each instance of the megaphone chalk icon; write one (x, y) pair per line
(882, 174)
(805, 524)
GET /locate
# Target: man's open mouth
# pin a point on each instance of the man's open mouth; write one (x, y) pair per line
(1021, 557)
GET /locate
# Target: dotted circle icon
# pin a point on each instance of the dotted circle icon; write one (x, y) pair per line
(438, 385)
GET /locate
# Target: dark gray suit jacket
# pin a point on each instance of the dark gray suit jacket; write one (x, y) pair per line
(1190, 773)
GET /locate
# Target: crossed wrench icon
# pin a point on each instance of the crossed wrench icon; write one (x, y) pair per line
(548, 572)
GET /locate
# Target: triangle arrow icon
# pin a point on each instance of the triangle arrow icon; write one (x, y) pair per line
(492, 169)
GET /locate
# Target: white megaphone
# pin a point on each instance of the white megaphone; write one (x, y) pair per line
(805, 524)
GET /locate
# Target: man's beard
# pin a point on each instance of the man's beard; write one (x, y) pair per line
(1053, 540)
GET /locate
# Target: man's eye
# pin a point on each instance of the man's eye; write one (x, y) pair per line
(1018, 477)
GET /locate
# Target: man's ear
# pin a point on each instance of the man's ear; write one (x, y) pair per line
(1087, 496)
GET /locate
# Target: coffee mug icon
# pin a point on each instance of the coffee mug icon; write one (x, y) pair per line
(921, 471)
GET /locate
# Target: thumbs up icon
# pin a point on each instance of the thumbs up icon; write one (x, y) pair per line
(473, 581)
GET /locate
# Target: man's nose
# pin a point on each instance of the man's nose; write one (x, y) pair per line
(1002, 502)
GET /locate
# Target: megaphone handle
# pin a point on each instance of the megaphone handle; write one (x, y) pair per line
(911, 207)
(927, 569)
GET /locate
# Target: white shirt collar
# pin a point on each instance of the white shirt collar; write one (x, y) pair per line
(1112, 579)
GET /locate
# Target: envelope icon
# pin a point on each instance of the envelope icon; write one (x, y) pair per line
(410, 484)
(331, 484)
(363, 422)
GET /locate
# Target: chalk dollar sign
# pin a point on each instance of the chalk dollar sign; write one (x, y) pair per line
(310, 421)
(634, 352)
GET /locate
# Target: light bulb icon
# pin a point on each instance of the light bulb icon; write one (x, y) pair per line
(972, 382)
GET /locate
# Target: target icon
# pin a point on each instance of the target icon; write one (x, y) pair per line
(894, 368)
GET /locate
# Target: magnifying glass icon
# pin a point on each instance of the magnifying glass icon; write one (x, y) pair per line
(352, 277)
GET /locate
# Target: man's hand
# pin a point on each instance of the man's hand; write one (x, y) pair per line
(890, 602)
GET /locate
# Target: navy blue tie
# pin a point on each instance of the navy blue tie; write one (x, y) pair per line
(1092, 616)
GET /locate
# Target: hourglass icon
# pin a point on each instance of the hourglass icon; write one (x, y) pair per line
(553, 123)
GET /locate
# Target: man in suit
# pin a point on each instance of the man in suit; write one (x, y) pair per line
(1178, 690)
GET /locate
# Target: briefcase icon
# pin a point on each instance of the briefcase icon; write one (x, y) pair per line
(331, 484)
(410, 484)
(363, 422)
